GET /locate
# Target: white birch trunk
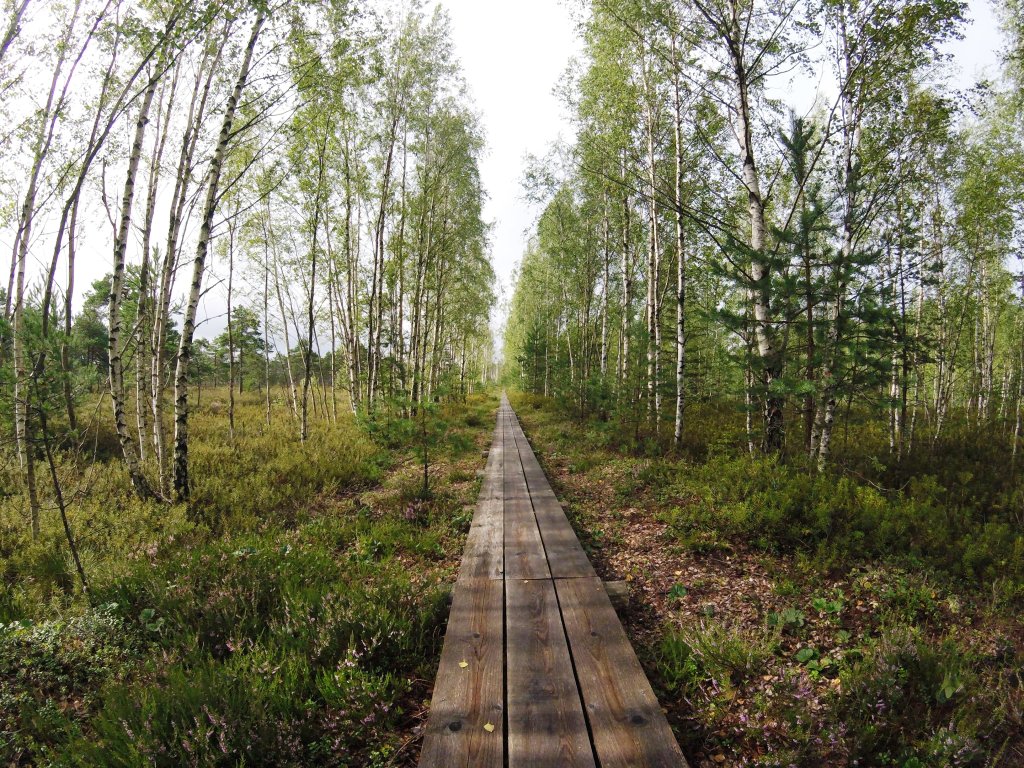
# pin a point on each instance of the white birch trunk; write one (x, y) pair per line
(181, 475)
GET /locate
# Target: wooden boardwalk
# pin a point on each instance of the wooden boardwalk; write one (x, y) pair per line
(536, 669)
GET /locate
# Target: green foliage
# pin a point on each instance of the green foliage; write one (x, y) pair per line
(295, 655)
(250, 591)
(906, 699)
(711, 655)
(268, 472)
(57, 667)
(790, 619)
(286, 629)
(836, 519)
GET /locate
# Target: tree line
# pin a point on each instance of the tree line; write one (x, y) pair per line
(309, 170)
(700, 239)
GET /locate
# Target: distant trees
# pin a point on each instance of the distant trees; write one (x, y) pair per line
(844, 257)
(243, 347)
(315, 166)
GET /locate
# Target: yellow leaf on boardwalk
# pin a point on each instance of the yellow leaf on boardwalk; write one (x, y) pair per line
(463, 663)
(489, 727)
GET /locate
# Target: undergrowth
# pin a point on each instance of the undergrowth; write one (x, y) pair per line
(891, 635)
(282, 618)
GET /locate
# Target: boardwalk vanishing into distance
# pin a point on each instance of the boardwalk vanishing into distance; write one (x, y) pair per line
(536, 668)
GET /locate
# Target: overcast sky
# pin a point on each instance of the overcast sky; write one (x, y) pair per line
(514, 53)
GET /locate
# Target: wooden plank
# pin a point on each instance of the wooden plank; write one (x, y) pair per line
(515, 480)
(524, 548)
(628, 726)
(468, 698)
(546, 726)
(484, 553)
(562, 549)
(565, 555)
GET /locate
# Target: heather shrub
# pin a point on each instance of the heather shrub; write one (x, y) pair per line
(279, 618)
(910, 698)
(54, 669)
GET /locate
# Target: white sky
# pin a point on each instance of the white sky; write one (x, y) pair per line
(512, 55)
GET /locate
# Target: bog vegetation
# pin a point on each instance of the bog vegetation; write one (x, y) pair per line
(774, 291)
(776, 279)
(224, 543)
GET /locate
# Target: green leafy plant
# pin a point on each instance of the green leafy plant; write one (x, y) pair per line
(951, 685)
(805, 654)
(827, 607)
(150, 621)
(787, 619)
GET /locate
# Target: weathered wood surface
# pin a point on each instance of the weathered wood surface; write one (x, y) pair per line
(625, 718)
(546, 726)
(484, 556)
(467, 711)
(536, 669)
(524, 548)
(469, 694)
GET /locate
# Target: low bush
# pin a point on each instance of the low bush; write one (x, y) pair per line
(910, 701)
(712, 655)
(53, 670)
(283, 617)
(838, 520)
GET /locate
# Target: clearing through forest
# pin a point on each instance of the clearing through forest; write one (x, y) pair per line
(536, 664)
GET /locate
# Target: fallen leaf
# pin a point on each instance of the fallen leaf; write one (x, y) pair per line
(489, 727)
(463, 663)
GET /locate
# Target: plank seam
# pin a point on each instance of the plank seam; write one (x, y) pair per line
(504, 605)
(561, 615)
(533, 506)
(576, 677)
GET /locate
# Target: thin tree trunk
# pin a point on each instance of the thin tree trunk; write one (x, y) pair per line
(375, 315)
(627, 289)
(231, 331)
(58, 495)
(266, 320)
(605, 286)
(1020, 398)
(311, 306)
(652, 271)
(763, 336)
(331, 309)
(181, 474)
(114, 348)
(13, 27)
(208, 66)
(677, 102)
(835, 332)
(145, 322)
(351, 276)
(19, 258)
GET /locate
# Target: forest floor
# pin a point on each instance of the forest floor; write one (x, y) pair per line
(292, 615)
(768, 657)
